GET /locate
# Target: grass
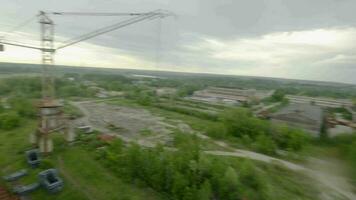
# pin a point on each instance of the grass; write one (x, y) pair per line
(84, 177)
(13, 143)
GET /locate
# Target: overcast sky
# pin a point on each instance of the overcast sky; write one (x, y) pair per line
(300, 39)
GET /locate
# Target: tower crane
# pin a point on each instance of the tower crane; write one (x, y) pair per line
(49, 108)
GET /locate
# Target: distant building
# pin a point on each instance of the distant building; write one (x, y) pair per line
(339, 129)
(230, 95)
(320, 101)
(71, 79)
(305, 116)
(89, 83)
(165, 91)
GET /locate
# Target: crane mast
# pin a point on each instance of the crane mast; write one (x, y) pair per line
(47, 45)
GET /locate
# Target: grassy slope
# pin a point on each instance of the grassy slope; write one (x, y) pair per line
(84, 177)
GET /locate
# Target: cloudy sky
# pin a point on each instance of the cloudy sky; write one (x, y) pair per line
(300, 39)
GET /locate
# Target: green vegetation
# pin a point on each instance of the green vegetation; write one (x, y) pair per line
(189, 174)
(183, 171)
(21, 86)
(9, 120)
(19, 110)
(85, 178)
(71, 111)
(257, 134)
(343, 111)
(236, 126)
(342, 147)
(278, 95)
(184, 174)
(187, 89)
(24, 107)
(187, 111)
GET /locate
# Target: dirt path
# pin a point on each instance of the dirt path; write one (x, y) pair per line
(330, 184)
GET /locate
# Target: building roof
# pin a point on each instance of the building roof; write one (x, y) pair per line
(306, 111)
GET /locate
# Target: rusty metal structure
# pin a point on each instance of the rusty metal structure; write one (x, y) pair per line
(51, 118)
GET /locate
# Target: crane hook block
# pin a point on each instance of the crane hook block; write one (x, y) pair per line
(2, 47)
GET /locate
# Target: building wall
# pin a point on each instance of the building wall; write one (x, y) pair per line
(324, 102)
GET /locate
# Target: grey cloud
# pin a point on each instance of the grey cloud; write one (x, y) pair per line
(223, 20)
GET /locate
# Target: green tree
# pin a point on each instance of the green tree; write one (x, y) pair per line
(205, 191)
(265, 144)
(230, 185)
(179, 184)
(278, 95)
(24, 107)
(144, 99)
(187, 90)
(288, 138)
(240, 122)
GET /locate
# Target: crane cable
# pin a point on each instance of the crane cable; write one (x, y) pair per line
(16, 28)
(149, 16)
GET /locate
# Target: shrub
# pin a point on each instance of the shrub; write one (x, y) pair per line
(265, 144)
(9, 121)
(217, 130)
(23, 107)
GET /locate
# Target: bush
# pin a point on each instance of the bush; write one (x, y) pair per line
(288, 138)
(240, 122)
(265, 144)
(24, 107)
(22, 86)
(145, 99)
(265, 137)
(9, 121)
(216, 130)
